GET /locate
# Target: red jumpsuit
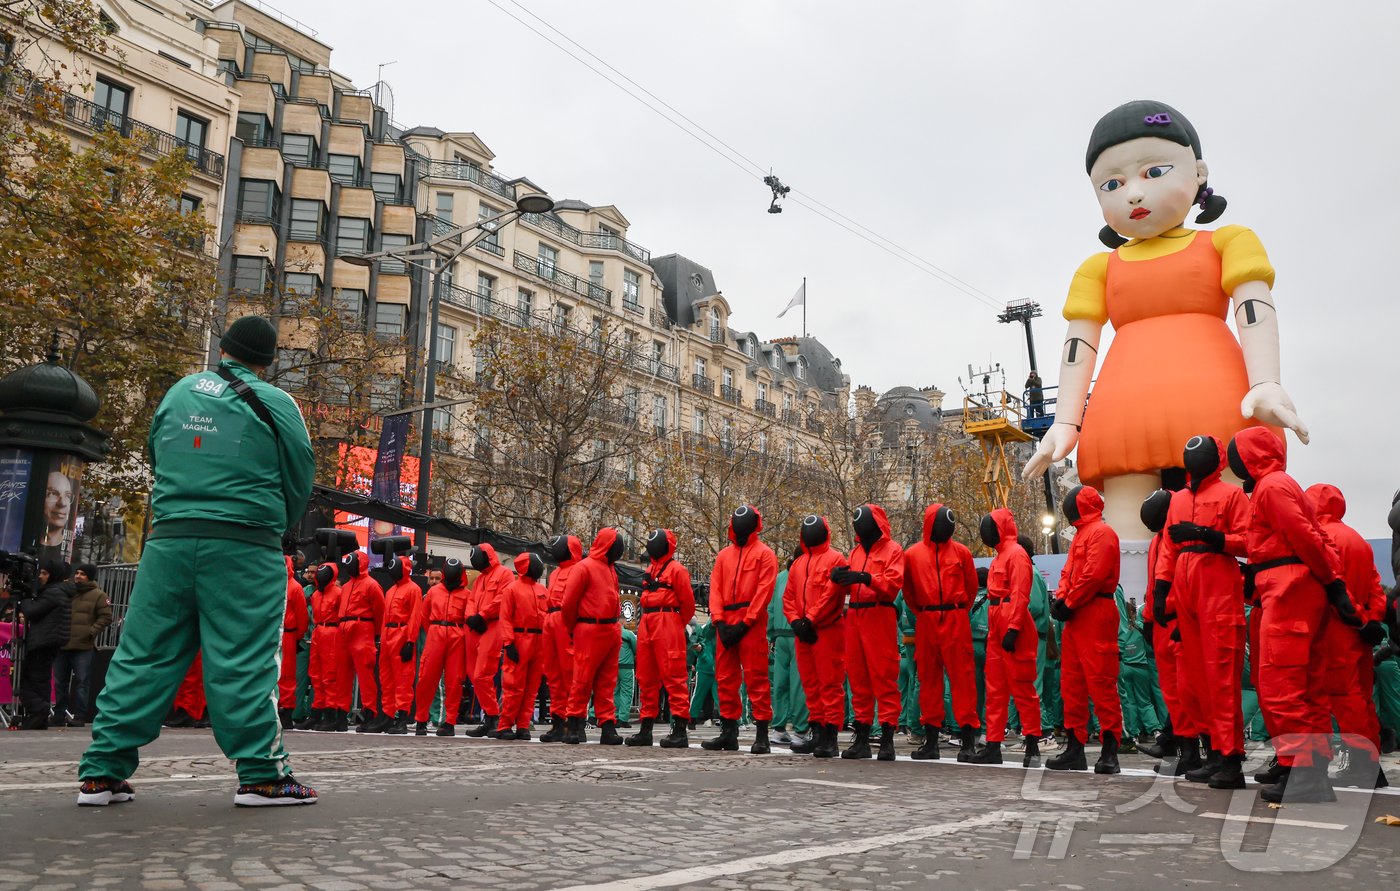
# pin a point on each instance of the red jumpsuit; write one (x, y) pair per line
(189, 698)
(872, 626)
(1292, 560)
(1208, 590)
(483, 651)
(1010, 675)
(442, 653)
(811, 594)
(661, 640)
(558, 641)
(1089, 644)
(403, 619)
(522, 610)
(1351, 673)
(361, 617)
(741, 588)
(592, 606)
(294, 623)
(325, 641)
(940, 583)
(1166, 652)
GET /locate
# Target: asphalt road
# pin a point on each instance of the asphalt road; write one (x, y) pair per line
(408, 813)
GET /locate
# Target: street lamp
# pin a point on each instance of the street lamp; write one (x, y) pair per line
(1047, 528)
(430, 256)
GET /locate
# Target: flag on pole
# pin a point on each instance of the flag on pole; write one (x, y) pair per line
(798, 299)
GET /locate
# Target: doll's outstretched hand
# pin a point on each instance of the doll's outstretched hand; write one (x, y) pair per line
(1268, 402)
(1059, 441)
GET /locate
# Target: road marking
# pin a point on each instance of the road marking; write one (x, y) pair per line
(1147, 838)
(1281, 821)
(797, 855)
(830, 783)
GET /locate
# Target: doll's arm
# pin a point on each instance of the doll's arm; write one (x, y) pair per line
(1257, 323)
(1081, 354)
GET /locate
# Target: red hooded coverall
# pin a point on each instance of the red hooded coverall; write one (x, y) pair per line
(940, 583)
(1292, 659)
(1351, 673)
(523, 605)
(1208, 590)
(361, 618)
(1089, 645)
(483, 651)
(872, 626)
(403, 619)
(325, 641)
(294, 622)
(558, 641)
(442, 653)
(1011, 674)
(661, 640)
(811, 594)
(1166, 652)
(592, 606)
(741, 589)
(189, 698)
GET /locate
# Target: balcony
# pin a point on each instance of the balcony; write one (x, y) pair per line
(598, 240)
(659, 319)
(94, 118)
(792, 416)
(484, 303)
(716, 335)
(632, 305)
(549, 272)
(764, 407)
(653, 366)
(815, 426)
(731, 394)
(469, 173)
(702, 383)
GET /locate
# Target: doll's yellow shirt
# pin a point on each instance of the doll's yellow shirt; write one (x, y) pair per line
(1242, 259)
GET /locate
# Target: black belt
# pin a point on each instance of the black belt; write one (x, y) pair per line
(1265, 566)
(358, 619)
(328, 624)
(730, 606)
(396, 625)
(993, 601)
(866, 604)
(527, 631)
(1198, 549)
(938, 608)
(1106, 595)
(660, 609)
(289, 630)
(447, 624)
(587, 621)
(556, 609)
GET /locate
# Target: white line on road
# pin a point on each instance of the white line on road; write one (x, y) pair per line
(830, 783)
(797, 855)
(1147, 838)
(1306, 824)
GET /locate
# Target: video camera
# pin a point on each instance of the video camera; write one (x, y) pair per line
(22, 572)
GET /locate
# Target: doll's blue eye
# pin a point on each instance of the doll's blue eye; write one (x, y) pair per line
(1110, 185)
(1159, 170)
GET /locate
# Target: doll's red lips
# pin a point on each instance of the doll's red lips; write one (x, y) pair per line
(1139, 213)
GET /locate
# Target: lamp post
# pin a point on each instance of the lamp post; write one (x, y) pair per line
(1047, 528)
(428, 255)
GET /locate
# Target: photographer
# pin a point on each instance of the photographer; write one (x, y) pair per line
(46, 615)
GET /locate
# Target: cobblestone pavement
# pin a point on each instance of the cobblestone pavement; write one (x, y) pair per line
(408, 813)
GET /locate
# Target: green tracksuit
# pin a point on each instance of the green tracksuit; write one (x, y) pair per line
(626, 676)
(978, 617)
(211, 578)
(1135, 690)
(908, 673)
(705, 686)
(789, 701)
(1387, 693)
(304, 691)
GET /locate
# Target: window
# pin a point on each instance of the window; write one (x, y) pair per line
(191, 132)
(299, 148)
(801, 368)
(352, 235)
(249, 275)
(751, 347)
(389, 319)
(525, 305)
(726, 434)
(549, 259)
(606, 230)
(631, 403)
(699, 419)
(113, 103)
(787, 403)
(562, 315)
(485, 284)
(444, 206)
(343, 168)
(308, 220)
(728, 376)
(383, 394)
(446, 344)
(257, 200)
(301, 289)
(595, 275)
(350, 303)
(387, 186)
(658, 355)
(190, 204)
(491, 242)
(631, 289)
(700, 367)
(253, 128)
(775, 358)
(762, 392)
(442, 420)
(659, 416)
(763, 441)
(337, 385)
(714, 323)
(290, 372)
(595, 333)
(390, 242)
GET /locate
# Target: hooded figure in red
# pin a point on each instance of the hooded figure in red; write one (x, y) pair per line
(325, 649)
(1011, 662)
(940, 583)
(1084, 602)
(1297, 577)
(403, 619)
(813, 604)
(1166, 651)
(567, 551)
(1196, 565)
(592, 611)
(442, 650)
(668, 603)
(875, 576)
(294, 623)
(523, 605)
(483, 640)
(1351, 673)
(741, 588)
(361, 618)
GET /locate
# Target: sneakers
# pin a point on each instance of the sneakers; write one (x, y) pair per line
(100, 793)
(277, 793)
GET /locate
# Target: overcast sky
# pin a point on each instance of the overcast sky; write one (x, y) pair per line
(957, 130)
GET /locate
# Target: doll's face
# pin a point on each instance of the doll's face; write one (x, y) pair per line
(1147, 186)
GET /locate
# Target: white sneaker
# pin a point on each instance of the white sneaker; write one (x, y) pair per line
(286, 791)
(100, 793)
(782, 739)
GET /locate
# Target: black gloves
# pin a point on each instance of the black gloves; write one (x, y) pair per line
(303, 645)
(730, 633)
(1185, 533)
(1176, 634)
(1372, 633)
(1160, 590)
(477, 624)
(1341, 602)
(841, 575)
(406, 651)
(804, 630)
(1008, 643)
(858, 578)
(1059, 610)
(511, 652)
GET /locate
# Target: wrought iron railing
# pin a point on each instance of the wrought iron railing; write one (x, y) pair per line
(764, 407)
(659, 319)
(716, 335)
(702, 383)
(470, 173)
(792, 416)
(543, 269)
(93, 117)
(731, 394)
(599, 240)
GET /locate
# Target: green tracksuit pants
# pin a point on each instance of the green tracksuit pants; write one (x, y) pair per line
(908, 689)
(1387, 693)
(789, 700)
(622, 696)
(1136, 697)
(226, 598)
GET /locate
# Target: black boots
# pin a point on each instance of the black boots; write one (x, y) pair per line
(1032, 758)
(1213, 762)
(860, 746)
(1188, 756)
(760, 741)
(825, 736)
(1163, 747)
(1272, 772)
(678, 738)
(284, 715)
(573, 732)
(988, 754)
(728, 739)
(886, 743)
(1108, 754)
(809, 745)
(326, 722)
(342, 721)
(967, 739)
(555, 733)
(929, 750)
(1231, 773)
(446, 729)
(1072, 758)
(375, 722)
(420, 729)
(1301, 785)
(642, 737)
(399, 725)
(309, 722)
(1363, 770)
(609, 735)
(485, 728)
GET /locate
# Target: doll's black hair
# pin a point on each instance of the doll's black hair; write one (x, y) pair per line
(1147, 117)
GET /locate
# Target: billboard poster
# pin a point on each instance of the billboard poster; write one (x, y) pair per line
(58, 522)
(355, 473)
(15, 467)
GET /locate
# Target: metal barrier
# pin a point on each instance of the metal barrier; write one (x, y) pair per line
(118, 580)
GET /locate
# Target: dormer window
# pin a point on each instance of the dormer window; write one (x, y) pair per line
(714, 323)
(801, 368)
(775, 358)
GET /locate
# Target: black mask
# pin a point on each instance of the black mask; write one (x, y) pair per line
(1154, 510)
(324, 576)
(559, 549)
(452, 573)
(657, 544)
(989, 532)
(944, 525)
(616, 551)
(743, 522)
(392, 567)
(1201, 458)
(1070, 508)
(536, 567)
(814, 531)
(865, 526)
(479, 559)
(1237, 465)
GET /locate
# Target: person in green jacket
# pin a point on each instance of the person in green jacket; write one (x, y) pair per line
(233, 467)
(1249, 697)
(909, 721)
(1141, 721)
(626, 678)
(706, 690)
(789, 701)
(978, 617)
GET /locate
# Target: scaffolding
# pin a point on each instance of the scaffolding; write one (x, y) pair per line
(995, 418)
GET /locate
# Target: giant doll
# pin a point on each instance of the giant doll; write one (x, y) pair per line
(1174, 369)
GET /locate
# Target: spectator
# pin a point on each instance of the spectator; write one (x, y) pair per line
(46, 631)
(92, 611)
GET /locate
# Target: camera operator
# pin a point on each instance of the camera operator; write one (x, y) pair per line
(47, 614)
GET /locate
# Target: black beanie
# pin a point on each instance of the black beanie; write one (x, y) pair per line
(88, 569)
(251, 339)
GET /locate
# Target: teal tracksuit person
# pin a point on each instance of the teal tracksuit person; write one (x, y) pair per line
(789, 702)
(908, 675)
(978, 617)
(212, 577)
(626, 678)
(705, 686)
(1136, 692)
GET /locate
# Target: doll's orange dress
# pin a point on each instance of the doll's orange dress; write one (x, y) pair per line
(1174, 369)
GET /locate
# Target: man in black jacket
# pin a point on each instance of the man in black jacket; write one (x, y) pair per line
(47, 615)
